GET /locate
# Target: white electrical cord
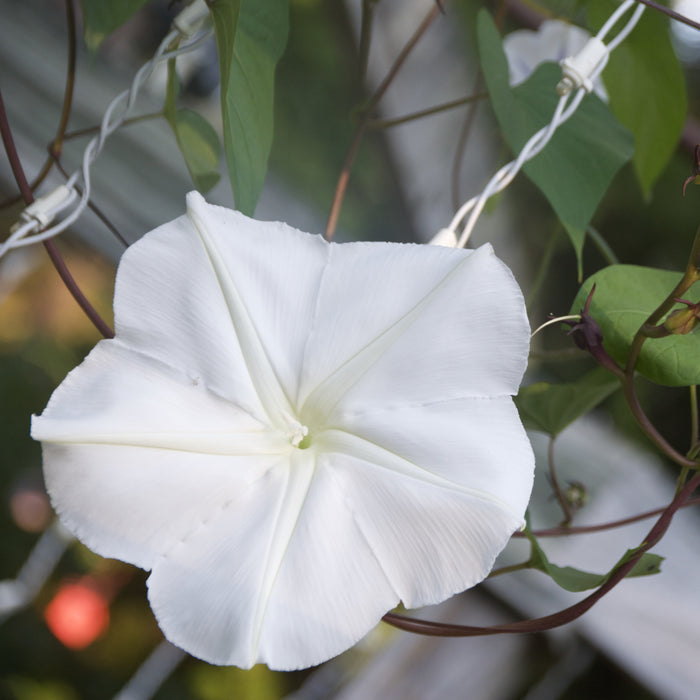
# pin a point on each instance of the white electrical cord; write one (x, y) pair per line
(45, 209)
(578, 72)
(152, 673)
(17, 593)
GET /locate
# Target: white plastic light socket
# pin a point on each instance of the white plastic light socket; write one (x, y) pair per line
(191, 18)
(43, 209)
(577, 70)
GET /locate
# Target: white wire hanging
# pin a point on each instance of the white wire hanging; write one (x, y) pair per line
(152, 673)
(43, 210)
(578, 73)
(19, 592)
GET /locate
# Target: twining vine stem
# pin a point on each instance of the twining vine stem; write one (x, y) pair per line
(670, 13)
(57, 142)
(54, 255)
(365, 120)
(94, 208)
(375, 124)
(645, 332)
(563, 617)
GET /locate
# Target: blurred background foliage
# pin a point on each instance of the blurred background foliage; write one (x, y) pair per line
(43, 334)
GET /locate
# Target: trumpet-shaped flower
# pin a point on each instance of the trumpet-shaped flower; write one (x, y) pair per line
(293, 436)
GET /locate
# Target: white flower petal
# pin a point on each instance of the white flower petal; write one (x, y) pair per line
(471, 315)
(294, 435)
(431, 541)
(165, 282)
(135, 503)
(270, 274)
(467, 444)
(148, 404)
(328, 589)
(366, 289)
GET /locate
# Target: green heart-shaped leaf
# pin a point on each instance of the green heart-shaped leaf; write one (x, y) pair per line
(624, 297)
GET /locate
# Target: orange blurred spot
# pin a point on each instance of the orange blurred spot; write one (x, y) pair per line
(77, 615)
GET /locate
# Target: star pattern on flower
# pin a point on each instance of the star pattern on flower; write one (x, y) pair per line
(292, 435)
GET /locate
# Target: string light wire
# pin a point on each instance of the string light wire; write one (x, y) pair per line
(578, 74)
(45, 209)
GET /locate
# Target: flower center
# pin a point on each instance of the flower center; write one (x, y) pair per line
(297, 433)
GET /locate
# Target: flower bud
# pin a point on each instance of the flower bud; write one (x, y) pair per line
(587, 335)
(683, 321)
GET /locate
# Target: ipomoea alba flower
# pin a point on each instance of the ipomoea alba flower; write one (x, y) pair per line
(292, 435)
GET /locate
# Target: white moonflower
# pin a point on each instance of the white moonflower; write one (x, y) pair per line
(293, 436)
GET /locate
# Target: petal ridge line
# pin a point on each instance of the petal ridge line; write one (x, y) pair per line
(300, 474)
(178, 370)
(214, 443)
(342, 379)
(377, 456)
(263, 376)
(314, 316)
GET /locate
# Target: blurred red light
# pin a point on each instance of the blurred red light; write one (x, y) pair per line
(77, 615)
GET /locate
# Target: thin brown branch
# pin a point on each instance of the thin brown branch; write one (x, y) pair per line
(57, 142)
(344, 177)
(58, 262)
(375, 124)
(601, 527)
(462, 141)
(563, 617)
(95, 209)
(89, 130)
(670, 13)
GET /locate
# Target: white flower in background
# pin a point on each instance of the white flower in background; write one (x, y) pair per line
(686, 39)
(553, 41)
(292, 435)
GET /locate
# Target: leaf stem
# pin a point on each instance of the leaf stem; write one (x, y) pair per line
(509, 569)
(554, 479)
